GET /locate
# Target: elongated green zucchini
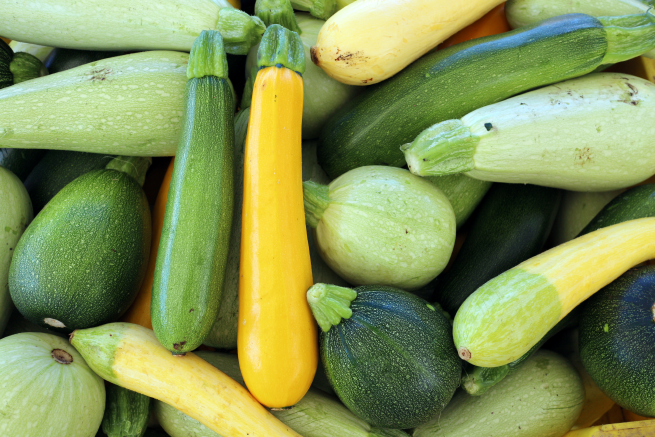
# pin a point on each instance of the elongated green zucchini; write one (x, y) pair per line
(637, 202)
(192, 259)
(450, 83)
(128, 24)
(127, 105)
(564, 136)
(126, 412)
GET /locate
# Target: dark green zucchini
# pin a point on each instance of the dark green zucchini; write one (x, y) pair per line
(81, 261)
(20, 161)
(391, 360)
(64, 59)
(191, 262)
(450, 83)
(25, 66)
(6, 54)
(511, 225)
(126, 412)
(56, 170)
(617, 340)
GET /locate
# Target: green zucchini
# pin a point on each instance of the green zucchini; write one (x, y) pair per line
(511, 225)
(41, 52)
(637, 202)
(450, 83)
(128, 24)
(56, 170)
(617, 340)
(20, 161)
(6, 55)
(126, 412)
(541, 399)
(381, 225)
(64, 59)
(562, 136)
(15, 215)
(80, 263)
(315, 415)
(388, 354)
(26, 67)
(192, 259)
(463, 193)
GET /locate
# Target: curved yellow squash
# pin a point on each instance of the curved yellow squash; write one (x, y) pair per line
(371, 40)
(277, 335)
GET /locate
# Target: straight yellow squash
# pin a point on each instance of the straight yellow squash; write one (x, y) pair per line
(277, 338)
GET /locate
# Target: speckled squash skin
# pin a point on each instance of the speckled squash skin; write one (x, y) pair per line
(81, 261)
(393, 362)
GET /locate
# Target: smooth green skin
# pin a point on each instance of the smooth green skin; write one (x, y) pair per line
(126, 412)
(25, 66)
(192, 259)
(98, 346)
(450, 83)
(512, 224)
(617, 340)
(20, 161)
(82, 259)
(393, 362)
(541, 399)
(126, 105)
(56, 170)
(44, 398)
(315, 415)
(463, 193)
(15, 215)
(386, 226)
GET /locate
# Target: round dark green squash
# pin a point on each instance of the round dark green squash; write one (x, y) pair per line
(617, 340)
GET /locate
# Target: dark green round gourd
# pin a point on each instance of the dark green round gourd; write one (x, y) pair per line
(392, 362)
(81, 261)
(617, 340)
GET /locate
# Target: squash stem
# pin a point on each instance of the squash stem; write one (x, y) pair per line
(239, 30)
(444, 148)
(207, 57)
(281, 47)
(330, 303)
(135, 166)
(316, 198)
(322, 9)
(277, 12)
(628, 36)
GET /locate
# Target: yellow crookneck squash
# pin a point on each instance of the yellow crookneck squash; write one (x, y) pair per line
(277, 336)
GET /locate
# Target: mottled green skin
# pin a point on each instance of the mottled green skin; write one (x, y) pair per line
(617, 340)
(25, 66)
(126, 412)
(81, 261)
(192, 258)
(6, 76)
(450, 83)
(393, 362)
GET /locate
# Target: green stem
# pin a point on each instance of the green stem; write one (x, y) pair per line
(135, 166)
(316, 198)
(444, 148)
(239, 30)
(628, 36)
(207, 57)
(330, 303)
(277, 12)
(322, 9)
(281, 47)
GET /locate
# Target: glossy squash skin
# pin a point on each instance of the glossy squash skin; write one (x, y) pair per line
(277, 336)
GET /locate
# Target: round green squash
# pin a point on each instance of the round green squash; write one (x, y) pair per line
(81, 261)
(617, 340)
(47, 389)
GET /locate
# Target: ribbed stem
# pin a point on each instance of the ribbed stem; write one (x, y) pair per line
(322, 9)
(478, 380)
(135, 166)
(281, 47)
(277, 12)
(445, 148)
(330, 304)
(24, 66)
(316, 198)
(628, 36)
(239, 30)
(207, 57)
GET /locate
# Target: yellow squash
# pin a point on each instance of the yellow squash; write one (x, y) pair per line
(371, 40)
(277, 336)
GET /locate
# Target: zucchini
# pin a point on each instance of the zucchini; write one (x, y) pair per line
(126, 412)
(6, 55)
(81, 261)
(20, 161)
(617, 340)
(64, 59)
(381, 225)
(26, 67)
(56, 170)
(388, 354)
(128, 24)
(192, 257)
(511, 225)
(452, 82)
(463, 193)
(542, 399)
(562, 136)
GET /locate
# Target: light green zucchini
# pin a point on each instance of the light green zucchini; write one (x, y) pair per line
(127, 24)
(464, 193)
(587, 134)
(126, 105)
